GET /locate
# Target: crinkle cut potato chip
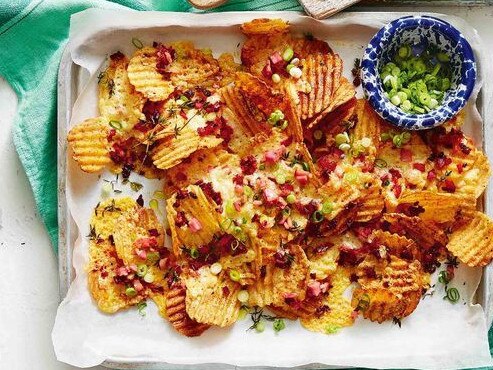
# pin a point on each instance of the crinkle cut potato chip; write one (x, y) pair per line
(118, 100)
(90, 145)
(212, 299)
(284, 192)
(473, 242)
(438, 207)
(177, 315)
(144, 76)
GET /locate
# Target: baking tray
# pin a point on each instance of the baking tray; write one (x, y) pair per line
(72, 78)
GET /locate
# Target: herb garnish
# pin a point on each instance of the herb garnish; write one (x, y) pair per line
(141, 306)
(93, 235)
(397, 321)
(111, 207)
(257, 315)
(452, 294)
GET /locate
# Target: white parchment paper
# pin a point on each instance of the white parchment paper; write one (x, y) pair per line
(438, 335)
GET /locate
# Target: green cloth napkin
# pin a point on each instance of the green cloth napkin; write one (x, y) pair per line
(33, 35)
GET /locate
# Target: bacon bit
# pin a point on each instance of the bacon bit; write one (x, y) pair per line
(460, 167)
(237, 206)
(210, 192)
(238, 179)
(448, 186)
(270, 196)
(273, 156)
(138, 286)
(142, 254)
(282, 259)
(363, 232)
(397, 189)
(324, 287)
(248, 165)
(180, 219)
(306, 209)
(354, 315)
(276, 58)
(226, 291)
(395, 173)
(180, 176)
(163, 263)
(146, 243)
(194, 225)
(327, 164)
(419, 166)
(431, 175)
(286, 189)
(153, 232)
(349, 256)
(122, 271)
(165, 56)
(267, 70)
(406, 155)
(111, 134)
(152, 112)
(301, 176)
(313, 289)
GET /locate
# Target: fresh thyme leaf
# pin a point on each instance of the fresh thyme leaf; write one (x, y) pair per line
(111, 87)
(397, 321)
(93, 235)
(111, 207)
(135, 186)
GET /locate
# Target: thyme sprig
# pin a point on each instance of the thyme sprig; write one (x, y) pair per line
(257, 315)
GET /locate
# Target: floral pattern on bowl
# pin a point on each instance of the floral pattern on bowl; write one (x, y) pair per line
(419, 31)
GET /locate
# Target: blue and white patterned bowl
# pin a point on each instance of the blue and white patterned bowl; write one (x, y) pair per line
(420, 31)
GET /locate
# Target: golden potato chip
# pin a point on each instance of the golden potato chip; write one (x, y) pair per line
(107, 214)
(118, 100)
(228, 68)
(177, 315)
(144, 76)
(371, 203)
(171, 150)
(438, 207)
(160, 301)
(252, 102)
(197, 168)
(192, 67)
(192, 218)
(339, 197)
(394, 244)
(212, 299)
(89, 143)
(135, 225)
(475, 173)
(425, 234)
(283, 277)
(473, 242)
(263, 26)
(335, 311)
(391, 288)
(101, 272)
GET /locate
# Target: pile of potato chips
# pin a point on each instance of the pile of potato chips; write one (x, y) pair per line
(283, 191)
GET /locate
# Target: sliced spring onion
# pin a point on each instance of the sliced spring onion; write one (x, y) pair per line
(117, 125)
(243, 296)
(278, 325)
(327, 207)
(288, 54)
(276, 78)
(158, 194)
(142, 270)
(342, 138)
(453, 295)
(291, 198)
(194, 253)
(152, 257)
(283, 125)
(247, 190)
(154, 204)
(443, 277)
(149, 277)
(234, 275)
(230, 209)
(317, 216)
(380, 163)
(243, 312)
(281, 179)
(216, 268)
(130, 292)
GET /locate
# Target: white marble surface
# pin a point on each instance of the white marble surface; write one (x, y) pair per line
(28, 277)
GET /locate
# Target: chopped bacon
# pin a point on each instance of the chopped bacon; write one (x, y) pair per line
(419, 166)
(288, 141)
(248, 165)
(165, 56)
(146, 243)
(460, 167)
(270, 196)
(138, 286)
(273, 156)
(448, 186)
(397, 189)
(194, 225)
(238, 179)
(313, 289)
(301, 176)
(431, 175)
(267, 70)
(111, 134)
